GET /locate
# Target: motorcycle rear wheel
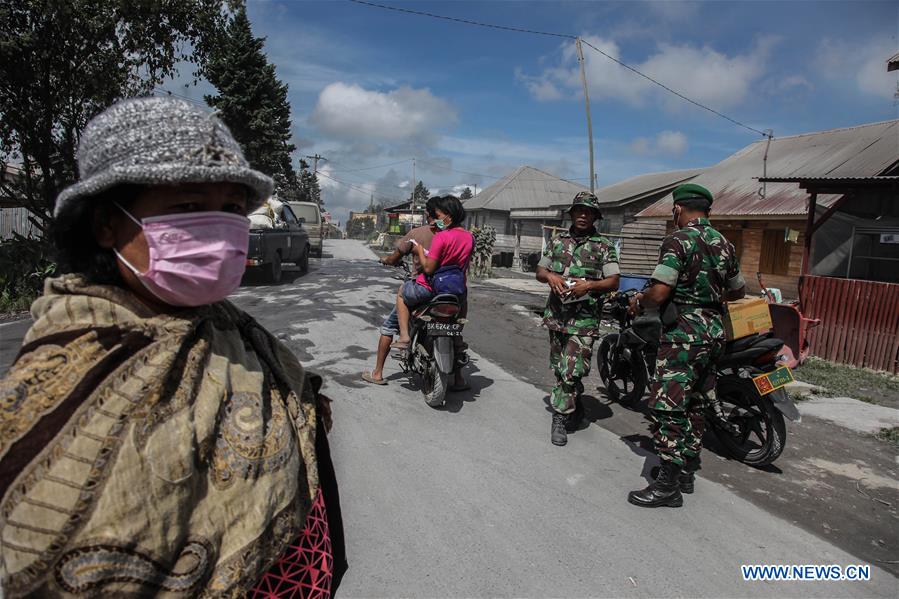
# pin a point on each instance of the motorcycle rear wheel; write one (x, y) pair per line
(434, 384)
(755, 416)
(629, 382)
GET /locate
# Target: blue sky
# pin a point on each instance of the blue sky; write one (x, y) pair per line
(370, 87)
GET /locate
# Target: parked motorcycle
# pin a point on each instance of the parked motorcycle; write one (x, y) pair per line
(433, 354)
(747, 414)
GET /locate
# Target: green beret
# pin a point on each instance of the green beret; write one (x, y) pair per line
(691, 191)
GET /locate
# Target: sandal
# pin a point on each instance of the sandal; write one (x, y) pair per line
(368, 378)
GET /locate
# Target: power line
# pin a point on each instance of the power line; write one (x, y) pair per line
(566, 36)
(676, 93)
(369, 168)
(359, 189)
(170, 93)
(466, 21)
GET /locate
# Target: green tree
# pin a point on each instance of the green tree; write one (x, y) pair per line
(63, 61)
(421, 193)
(466, 194)
(252, 101)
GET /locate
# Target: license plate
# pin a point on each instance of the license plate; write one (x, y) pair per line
(772, 381)
(444, 329)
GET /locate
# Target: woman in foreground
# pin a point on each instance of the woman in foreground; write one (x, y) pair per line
(155, 438)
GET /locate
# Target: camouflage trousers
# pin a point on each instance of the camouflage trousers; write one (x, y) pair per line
(685, 379)
(569, 357)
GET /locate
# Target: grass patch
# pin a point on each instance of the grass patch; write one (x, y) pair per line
(890, 435)
(12, 305)
(849, 381)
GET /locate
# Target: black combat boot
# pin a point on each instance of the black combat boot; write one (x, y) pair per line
(687, 478)
(558, 434)
(663, 491)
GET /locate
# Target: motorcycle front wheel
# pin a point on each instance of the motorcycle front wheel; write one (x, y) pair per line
(624, 377)
(755, 432)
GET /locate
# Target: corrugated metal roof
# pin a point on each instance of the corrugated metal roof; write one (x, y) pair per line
(863, 151)
(527, 187)
(641, 186)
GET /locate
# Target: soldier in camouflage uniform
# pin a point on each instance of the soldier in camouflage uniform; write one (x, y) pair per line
(697, 271)
(579, 265)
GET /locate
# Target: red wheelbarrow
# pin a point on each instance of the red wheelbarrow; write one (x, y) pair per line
(790, 325)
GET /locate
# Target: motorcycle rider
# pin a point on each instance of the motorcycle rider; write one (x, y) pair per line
(697, 271)
(422, 236)
(589, 260)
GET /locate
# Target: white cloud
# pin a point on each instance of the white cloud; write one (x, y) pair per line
(671, 143)
(347, 111)
(862, 63)
(701, 73)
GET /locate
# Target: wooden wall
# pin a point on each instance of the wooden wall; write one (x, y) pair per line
(751, 236)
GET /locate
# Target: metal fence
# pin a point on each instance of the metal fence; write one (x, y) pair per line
(859, 321)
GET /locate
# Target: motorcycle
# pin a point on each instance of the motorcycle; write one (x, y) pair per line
(746, 414)
(433, 354)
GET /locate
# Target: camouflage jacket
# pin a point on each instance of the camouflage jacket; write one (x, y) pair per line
(591, 256)
(701, 265)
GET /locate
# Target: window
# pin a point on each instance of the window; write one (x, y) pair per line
(307, 211)
(775, 253)
(287, 215)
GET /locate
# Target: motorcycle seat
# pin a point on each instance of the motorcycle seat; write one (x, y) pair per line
(762, 344)
(442, 299)
(745, 342)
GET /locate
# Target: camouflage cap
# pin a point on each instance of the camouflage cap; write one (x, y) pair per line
(691, 191)
(587, 199)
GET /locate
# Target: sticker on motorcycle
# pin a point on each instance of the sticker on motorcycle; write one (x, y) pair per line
(772, 381)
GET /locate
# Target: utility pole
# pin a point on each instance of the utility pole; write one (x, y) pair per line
(414, 187)
(580, 59)
(315, 160)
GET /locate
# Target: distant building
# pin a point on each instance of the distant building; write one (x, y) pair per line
(523, 207)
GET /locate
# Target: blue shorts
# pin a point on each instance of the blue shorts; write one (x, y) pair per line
(414, 294)
(391, 326)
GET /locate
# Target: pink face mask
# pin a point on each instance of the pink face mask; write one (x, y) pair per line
(196, 258)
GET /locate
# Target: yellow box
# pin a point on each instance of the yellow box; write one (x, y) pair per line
(746, 316)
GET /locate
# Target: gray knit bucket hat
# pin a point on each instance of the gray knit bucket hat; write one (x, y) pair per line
(159, 141)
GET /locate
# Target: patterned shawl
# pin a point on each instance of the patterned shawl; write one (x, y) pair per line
(145, 454)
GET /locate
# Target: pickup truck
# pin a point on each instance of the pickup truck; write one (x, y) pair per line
(276, 236)
(311, 215)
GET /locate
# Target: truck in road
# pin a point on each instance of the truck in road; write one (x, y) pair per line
(276, 236)
(311, 215)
